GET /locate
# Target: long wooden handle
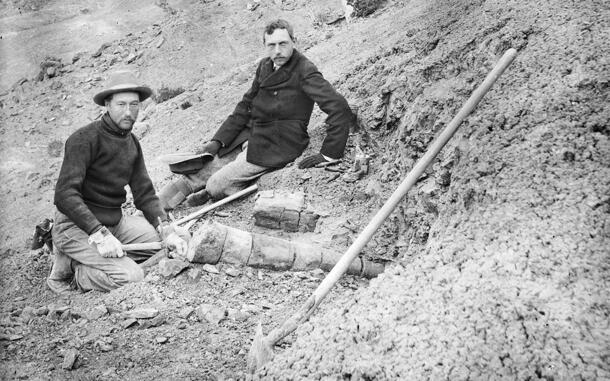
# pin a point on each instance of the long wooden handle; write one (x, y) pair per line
(142, 246)
(215, 205)
(342, 265)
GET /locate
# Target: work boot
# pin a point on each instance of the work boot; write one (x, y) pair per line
(197, 198)
(62, 275)
(173, 193)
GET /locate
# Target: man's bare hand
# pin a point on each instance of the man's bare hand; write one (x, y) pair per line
(312, 161)
(210, 147)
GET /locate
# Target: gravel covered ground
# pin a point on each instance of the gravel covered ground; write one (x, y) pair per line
(498, 264)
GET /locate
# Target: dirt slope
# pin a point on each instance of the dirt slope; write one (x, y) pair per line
(513, 280)
(500, 253)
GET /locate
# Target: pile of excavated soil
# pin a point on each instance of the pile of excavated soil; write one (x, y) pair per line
(513, 280)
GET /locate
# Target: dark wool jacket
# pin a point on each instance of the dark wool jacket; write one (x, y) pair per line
(100, 159)
(274, 113)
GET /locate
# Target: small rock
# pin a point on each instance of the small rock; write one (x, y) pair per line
(194, 274)
(230, 271)
(186, 312)
(169, 268)
(373, 188)
(161, 339)
(141, 313)
(210, 313)
(154, 322)
(42, 311)
(27, 314)
(97, 312)
(56, 85)
(210, 268)
(69, 359)
(128, 323)
(103, 346)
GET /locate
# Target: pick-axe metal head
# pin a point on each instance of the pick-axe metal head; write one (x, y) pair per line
(261, 350)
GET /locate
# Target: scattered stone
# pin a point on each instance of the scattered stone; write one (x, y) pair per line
(141, 313)
(194, 273)
(69, 359)
(128, 323)
(27, 314)
(100, 50)
(161, 339)
(210, 268)
(55, 85)
(171, 267)
(97, 312)
(210, 313)
(237, 315)
(154, 322)
(103, 346)
(373, 188)
(230, 271)
(186, 312)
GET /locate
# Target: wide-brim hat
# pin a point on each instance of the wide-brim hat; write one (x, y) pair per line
(186, 163)
(121, 82)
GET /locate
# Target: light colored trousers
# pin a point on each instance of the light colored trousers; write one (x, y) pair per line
(221, 177)
(91, 270)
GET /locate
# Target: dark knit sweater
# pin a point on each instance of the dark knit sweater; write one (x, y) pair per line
(99, 160)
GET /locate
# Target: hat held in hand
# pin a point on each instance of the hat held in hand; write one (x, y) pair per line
(186, 163)
(122, 82)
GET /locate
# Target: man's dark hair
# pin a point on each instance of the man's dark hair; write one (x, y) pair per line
(278, 24)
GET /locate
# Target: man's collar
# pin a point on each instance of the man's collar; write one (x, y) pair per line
(273, 77)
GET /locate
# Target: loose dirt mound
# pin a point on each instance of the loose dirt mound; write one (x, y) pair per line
(500, 253)
(513, 281)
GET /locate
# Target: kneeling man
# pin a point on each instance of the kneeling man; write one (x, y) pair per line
(100, 160)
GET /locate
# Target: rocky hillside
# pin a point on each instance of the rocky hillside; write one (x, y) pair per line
(497, 259)
(512, 281)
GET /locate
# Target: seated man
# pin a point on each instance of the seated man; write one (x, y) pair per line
(272, 118)
(100, 160)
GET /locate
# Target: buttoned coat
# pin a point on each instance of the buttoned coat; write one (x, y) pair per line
(274, 113)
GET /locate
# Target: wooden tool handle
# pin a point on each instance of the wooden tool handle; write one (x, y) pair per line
(215, 205)
(142, 246)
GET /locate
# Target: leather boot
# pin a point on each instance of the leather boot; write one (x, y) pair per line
(197, 198)
(62, 275)
(173, 193)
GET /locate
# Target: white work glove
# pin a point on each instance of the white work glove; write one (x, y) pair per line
(106, 244)
(172, 240)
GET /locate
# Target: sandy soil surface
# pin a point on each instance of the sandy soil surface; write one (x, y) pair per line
(498, 264)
